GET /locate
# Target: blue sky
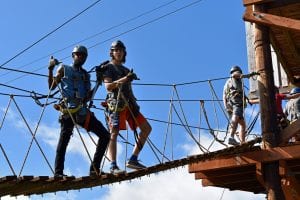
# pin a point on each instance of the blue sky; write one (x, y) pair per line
(171, 45)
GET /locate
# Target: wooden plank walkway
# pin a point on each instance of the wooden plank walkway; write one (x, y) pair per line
(29, 185)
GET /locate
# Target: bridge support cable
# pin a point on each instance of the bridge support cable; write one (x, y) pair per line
(215, 97)
(213, 103)
(215, 113)
(151, 144)
(169, 126)
(251, 126)
(36, 128)
(5, 113)
(219, 102)
(186, 123)
(222, 108)
(7, 160)
(208, 124)
(200, 123)
(201, 147)
(1, 147)
(32, 134)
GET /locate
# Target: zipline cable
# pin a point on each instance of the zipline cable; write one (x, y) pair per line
(123, 33)
(48, 34)
(99, 33)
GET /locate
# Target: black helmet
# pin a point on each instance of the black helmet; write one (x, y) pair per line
(118, 44)
(235, 69)
(80, 49)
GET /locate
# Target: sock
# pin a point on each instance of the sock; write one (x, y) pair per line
(133, 158)
(113, 164)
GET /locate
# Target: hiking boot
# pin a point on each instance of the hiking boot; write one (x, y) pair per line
(232, 141)
(116, 170)
(134, 164)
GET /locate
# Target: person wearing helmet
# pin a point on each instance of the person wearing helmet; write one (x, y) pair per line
(74, 84)
(292, 107)
(234, 100)
(122, 106)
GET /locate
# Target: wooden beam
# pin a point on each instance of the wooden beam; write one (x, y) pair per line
(250, 185)
(238, 180)
(259, 173)
(227, 177)
(248, 158)
(271, 3)
(281, 58)
(272, 20)
(289, 184)
(290, 187)
(292, 45)
(289, 132)
(251, 2)
(224, 173)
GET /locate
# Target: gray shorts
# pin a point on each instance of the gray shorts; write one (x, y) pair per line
(238, 111)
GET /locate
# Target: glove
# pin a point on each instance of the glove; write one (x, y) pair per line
(132, 76)
(53, 61)
(100, 69)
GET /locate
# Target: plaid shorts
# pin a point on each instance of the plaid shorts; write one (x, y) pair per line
(118, 120)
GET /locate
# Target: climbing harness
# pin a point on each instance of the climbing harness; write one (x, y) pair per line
(64, 110)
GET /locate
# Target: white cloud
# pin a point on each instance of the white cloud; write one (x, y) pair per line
(52, 196)
(18, 198)
(175, 184)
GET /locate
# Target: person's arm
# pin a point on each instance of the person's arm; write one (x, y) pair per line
(224, 100)
(54, 81)
(51, 80)
(111, 85)
(292, 96)
(254, 101)
(225, 95)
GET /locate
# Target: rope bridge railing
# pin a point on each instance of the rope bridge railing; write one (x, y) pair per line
(180, 126)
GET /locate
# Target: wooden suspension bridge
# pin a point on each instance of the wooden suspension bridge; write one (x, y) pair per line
(272, 168)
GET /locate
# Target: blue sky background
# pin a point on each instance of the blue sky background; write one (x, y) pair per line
(194, 43)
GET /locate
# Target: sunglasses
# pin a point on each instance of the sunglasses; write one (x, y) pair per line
(79, 54)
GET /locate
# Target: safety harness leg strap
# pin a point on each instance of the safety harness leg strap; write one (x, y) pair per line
(87, 120)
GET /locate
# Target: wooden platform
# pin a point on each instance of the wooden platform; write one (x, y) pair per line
(244, 171)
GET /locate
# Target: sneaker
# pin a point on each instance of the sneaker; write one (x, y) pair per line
(60, 175)
(116, 170)
(232, 141)
(134, 164)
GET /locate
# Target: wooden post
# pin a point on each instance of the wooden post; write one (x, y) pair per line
(269, 128)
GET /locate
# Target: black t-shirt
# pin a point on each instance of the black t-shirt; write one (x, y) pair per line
(116, 72)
